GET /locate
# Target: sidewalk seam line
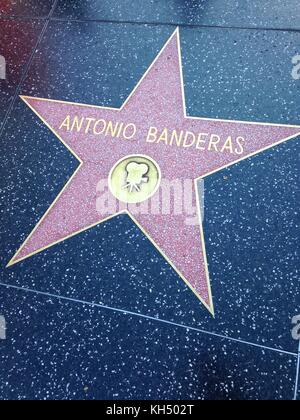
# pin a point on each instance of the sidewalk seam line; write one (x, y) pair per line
(151, 318)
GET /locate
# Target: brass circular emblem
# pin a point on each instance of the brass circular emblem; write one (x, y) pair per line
(134, 179)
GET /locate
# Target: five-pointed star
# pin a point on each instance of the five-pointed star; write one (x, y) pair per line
(157, 101)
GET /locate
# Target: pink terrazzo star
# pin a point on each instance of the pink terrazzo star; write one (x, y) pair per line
(158, 101)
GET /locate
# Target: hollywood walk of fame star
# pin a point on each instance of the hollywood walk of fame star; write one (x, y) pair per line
(152, 125)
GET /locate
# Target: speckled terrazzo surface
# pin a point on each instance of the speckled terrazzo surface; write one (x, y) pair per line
(236, 13)
(26, 8)
(86, 352)
(17, 42)
(60, 346)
